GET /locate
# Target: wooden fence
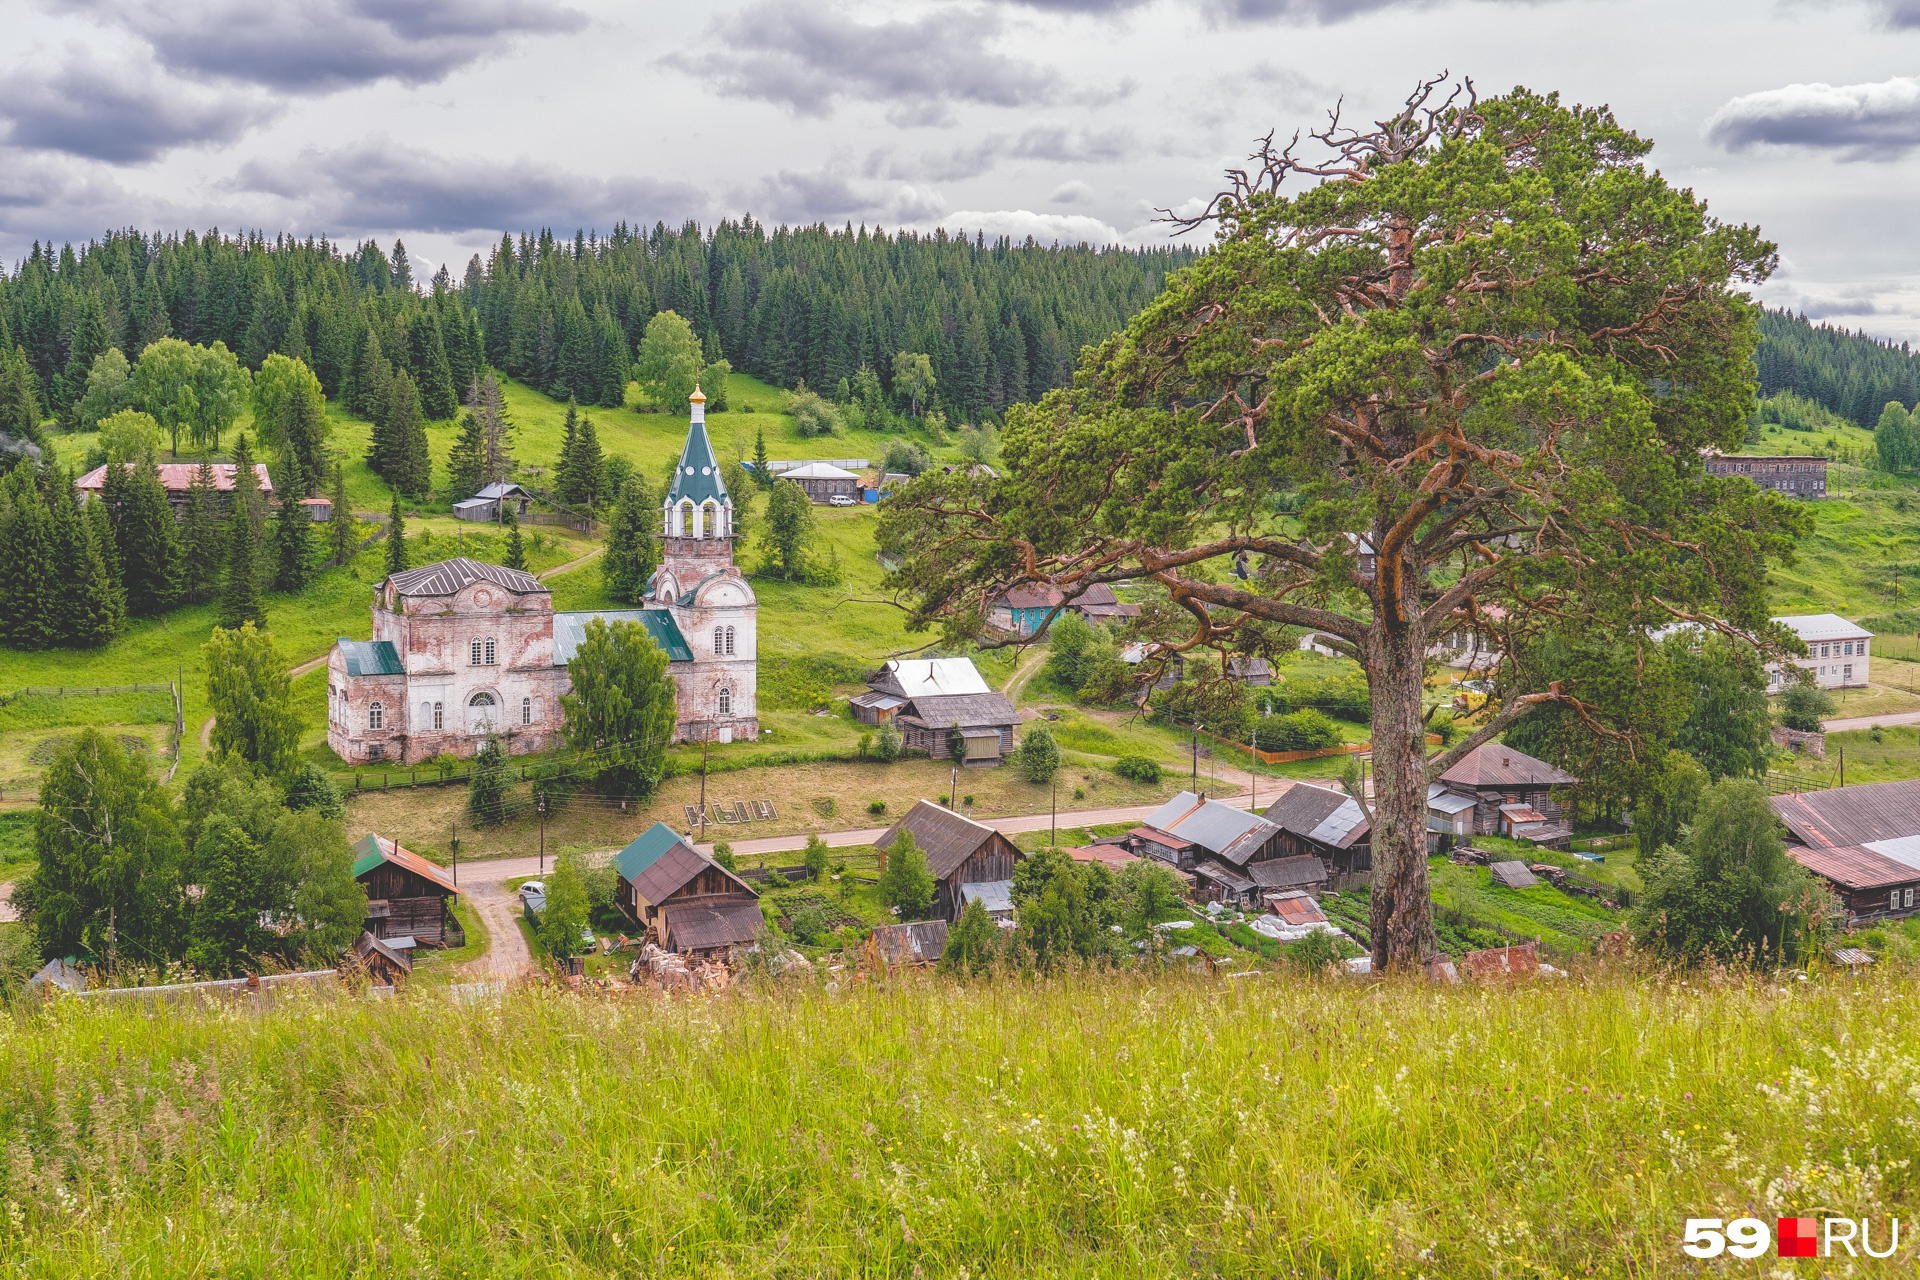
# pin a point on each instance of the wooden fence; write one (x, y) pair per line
(86, 691)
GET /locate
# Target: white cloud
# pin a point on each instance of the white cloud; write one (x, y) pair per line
(1857, 121)
(1066, 228)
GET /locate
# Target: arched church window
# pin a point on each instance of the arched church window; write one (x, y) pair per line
(526, 711)
(473, 652)
(726, 702)
(719, 640)
(376, 716)
(489, 661)
(729, 642)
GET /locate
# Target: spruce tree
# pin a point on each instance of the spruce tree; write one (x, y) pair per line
(588, 464)
(95, 514)
(762, 472)
(396, 539)
(465, 463)
(246, 487)
(342, 528)
(29, 588)
(201, 550)
(563, 482)
(412, 464)
(292, 535)
(19, 398)
(516, 549)
(240, 601)
(148, 541)
(633, 553)
(91, 611)
(90, 341)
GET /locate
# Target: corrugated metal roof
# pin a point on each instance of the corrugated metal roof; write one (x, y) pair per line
(1320, 814)
(1904, 850)
(371, 657)
(1297, 909)
(1522, 813)
(1496, 765)
(1344, 826)
(1854, 867)
(660, 862)
(918, 943)
(1514, 875)
(1223, 875)
(177, 477)
(1161, 838)
(1441, 800)
(1230, 834)
(1823, 626)
(817, 471)
(943, 835)
(878, 700)
(570, 630)
(1852, 815)
(449, 577)
(502, 490)
(967, 709)
(722, 920)
(930, 677)
(1288, 873)
(994, 896)
(1043, 596)
(1163, 818)
(374, 850)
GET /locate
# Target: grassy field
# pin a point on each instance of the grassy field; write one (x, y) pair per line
(1083, 1126)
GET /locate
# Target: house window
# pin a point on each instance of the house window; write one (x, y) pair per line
(376, 716)
(729, 642)
(1846, 672)
(726, 702)
(719, 640)
(1909, 898)
(1893, 901)
(439, 715)
(1846, 648)
(526, 711)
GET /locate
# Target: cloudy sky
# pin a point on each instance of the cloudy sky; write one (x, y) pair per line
(448, 121)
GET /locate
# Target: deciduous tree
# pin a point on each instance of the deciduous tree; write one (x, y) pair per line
(252, 701)
(620, 715)
(669, 361)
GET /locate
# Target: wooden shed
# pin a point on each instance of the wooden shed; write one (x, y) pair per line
(407, 896)
(687, 902)
(386, 966)
(959, 852)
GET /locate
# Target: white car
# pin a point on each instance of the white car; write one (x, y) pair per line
(841, 500)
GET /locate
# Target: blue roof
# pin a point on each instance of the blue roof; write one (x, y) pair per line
(697, 478)
(646, 850)
(570, 629)
(371, 658)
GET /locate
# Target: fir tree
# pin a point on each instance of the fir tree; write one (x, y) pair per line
(342, 529)
(292, 536)
(563, 481)
(240, 601)
(762, 473)
(465, 465)
(29, 587)
(92, 610)
(147, 539)
(516, 549)
(200, 539)
(496, 430)
(633, 553)
(90, 341)
(396, 539)
(587, 465)
(402, 272)
(411, 466)
(19, 398)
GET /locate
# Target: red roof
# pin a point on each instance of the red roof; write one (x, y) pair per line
(177, 477)
(1111, 855)
(1296, 908)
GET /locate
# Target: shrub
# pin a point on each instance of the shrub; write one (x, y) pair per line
(1138, 769)
(887, 749)
(1803, 706)
(1038, 756)
(813, 416)
(906, 457)
(487, 794)
(811, 925)
(1314, 952)
(876, 807)
(907, 883)
(723, 854)
(815, 858)
(311, 788)
(1305, 730)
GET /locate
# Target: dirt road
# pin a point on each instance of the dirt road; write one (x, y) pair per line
(506, 956)
(1867, 722)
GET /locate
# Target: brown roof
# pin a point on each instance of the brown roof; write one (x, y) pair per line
(1514, 875)
(1041, 596)
(670, 872)
(1296, 908)
(717, 920)
(1852, 815)
(370, 945)
(919, 943)
(1852, 867)
(1161, 838)
(391, 851)
(970, 709)
(1289, 873)
(1501, 962)
(943, 835)
(1522, 814)
(1227, 876)
(1496, 765)
(1109, 855)
(177, 477)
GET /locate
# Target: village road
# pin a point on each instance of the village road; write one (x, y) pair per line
(506, 955)
(559, 569)
(7, 914)
(1867, 722)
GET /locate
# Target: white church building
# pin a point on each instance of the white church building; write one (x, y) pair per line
(462, 651)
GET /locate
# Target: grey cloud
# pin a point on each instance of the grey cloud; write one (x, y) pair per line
(807, 60)
(123, 114)
(1070, 193)
(318, 46)
(1856, 121)
(813, 195)
(1901, 15)
(1048, 141)
(377, 185)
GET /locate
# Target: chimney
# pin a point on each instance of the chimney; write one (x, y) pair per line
(1506, 762)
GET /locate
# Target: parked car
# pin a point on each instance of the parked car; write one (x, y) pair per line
(841, 500)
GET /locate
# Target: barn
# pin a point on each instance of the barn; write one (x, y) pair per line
(961, 853)
(688, 903)
(407, 896)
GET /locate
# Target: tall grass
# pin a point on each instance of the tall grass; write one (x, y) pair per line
(1083, 1126)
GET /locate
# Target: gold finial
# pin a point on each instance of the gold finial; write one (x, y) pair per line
(697, 397)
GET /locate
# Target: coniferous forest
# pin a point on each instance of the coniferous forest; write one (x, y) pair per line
(1851, 374)
(1002, 322)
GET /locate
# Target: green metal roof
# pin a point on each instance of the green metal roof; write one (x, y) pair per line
(646, 850)
(570, 629)
(371, 855)
(371, 658)
(697, 478)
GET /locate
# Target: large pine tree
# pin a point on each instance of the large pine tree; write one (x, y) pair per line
(342, 529)
(633, 553)
(411, 466)
(465, 464)
(396, 538)
(292, 534)
(29, 585)
(91, 610)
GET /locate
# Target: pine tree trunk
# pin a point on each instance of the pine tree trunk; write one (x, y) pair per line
(1402, 908)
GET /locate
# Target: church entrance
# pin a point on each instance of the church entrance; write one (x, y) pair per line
(480, 713)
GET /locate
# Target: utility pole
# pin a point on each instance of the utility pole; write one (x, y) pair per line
(543, 835)
(706, 745)
(1196, 755)
(1053, 832)
(453, 841)
(953, 797)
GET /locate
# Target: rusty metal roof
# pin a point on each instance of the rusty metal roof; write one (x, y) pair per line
(1161, 838)
(1497, 765)
(1854, 867)
(716, 920)
(374, 850)
(943, 835)
(1296, 908)
(1852, 815)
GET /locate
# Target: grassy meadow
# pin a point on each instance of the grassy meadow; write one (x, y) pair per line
(908, 1126)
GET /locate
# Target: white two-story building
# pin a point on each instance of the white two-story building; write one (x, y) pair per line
(1836, 652)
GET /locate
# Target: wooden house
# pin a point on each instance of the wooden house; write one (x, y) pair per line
(1874, 881)
(927, 697)
(386, 966)
(1030, 609)
(688, 903)
(177, 479)
(960, 852)
(1496, 775)
(1323, 823)
(407, 896)
(493, 502)
(1210, 829)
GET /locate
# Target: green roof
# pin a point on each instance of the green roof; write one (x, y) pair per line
(646, 850)
(371, 658)
(371, 855)
(570, 629)
(697, 478)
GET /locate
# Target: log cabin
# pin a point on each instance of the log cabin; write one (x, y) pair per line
(959, 852)
(407, 896)
(687, 902)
